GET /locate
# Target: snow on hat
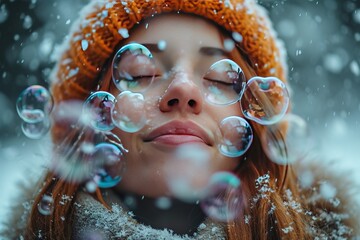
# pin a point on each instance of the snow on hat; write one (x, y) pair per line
(104, 24)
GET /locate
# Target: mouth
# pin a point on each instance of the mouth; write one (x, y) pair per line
(179, 132)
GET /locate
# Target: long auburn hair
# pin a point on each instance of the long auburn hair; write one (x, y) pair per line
(257, 220)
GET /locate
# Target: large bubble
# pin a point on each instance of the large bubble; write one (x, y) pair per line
(188, 172)
(236, 136)
(97, 110)
(265, 100)
(129, 113)
(34, 104)
(109, 165)
(133, 68)
(287, 141)
(224, 200)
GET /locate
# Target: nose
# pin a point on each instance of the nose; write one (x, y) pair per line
(182, 95)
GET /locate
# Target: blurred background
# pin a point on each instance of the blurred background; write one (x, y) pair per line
(323, 43)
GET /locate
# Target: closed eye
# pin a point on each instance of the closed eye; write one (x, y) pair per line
(219, 81)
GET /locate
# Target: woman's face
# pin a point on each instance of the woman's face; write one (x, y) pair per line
(177, 113)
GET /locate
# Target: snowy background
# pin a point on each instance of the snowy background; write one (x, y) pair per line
(323, 43)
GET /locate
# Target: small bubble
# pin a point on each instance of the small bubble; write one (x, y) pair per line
(265, 100)
(46, 205)
(224, 200)
(68, 22)
(236, 136)
(97, 110)
(34, 104)
(129, 113)
(128, 78)
(110, 165)
(227, 88)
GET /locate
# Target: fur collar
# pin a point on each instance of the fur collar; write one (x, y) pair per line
(119, 224)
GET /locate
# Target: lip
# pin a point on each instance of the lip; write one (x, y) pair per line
(179, 132)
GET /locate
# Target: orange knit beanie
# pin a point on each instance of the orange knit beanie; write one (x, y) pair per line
(101, 22)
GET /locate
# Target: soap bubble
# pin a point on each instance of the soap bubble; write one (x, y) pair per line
(97, 109)
(223, 82)
(35, 130)
(265, 100)
(46, 205)
(188, 172)
(34, 104)
(236, 136)
(287, 141)
(224, 200)
(133, 68)
(129, 113)
(110, 165)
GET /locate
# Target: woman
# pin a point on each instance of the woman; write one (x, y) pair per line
(156, 57)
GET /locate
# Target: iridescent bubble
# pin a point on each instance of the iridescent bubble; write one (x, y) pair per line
(265, 100)
(188, 172)
(97, 110)
(287, 141)
(35, 130)
(236, 136)
(133, 68)
(46, 205)
(223, 82)
(110, 165)
(34, 104)
(129, 113)
(224, 200)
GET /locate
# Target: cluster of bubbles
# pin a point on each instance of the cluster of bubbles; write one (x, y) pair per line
(126, 111)
(262, 100)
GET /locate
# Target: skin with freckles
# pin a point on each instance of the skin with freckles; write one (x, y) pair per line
(175, 102)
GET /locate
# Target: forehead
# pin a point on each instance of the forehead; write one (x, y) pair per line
(178, 31)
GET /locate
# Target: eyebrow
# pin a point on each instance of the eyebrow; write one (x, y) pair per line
(209, 51)
(213, 51)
